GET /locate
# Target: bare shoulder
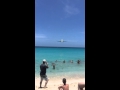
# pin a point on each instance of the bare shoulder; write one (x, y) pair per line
(66, 87)
(67, 84)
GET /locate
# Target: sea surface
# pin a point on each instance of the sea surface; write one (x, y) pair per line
(66, 69)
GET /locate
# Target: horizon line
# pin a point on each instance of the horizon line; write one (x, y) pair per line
(59, 47)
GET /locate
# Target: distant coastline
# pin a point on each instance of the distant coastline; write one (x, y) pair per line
(56, 47)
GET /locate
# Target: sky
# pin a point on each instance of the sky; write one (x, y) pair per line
(60, 19)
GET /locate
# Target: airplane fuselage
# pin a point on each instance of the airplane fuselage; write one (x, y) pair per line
(61, 40)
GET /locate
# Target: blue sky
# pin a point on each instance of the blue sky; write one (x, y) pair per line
(60, 19)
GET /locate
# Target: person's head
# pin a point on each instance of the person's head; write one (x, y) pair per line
(64, 81)
(44, 61)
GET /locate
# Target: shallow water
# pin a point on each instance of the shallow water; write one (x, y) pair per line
(66, 69)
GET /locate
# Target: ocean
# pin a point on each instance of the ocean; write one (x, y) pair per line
(67, 69)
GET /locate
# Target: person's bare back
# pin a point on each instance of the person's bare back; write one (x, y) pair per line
(65, 86)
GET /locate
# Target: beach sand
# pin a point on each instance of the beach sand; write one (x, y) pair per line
(55, 82)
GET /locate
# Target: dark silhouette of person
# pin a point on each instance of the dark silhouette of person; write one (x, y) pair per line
(64, 61)
(43, 75)
(78, 61)
(53, 64)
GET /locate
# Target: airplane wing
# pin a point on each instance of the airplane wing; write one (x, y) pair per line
(64, 41)
(59, 41)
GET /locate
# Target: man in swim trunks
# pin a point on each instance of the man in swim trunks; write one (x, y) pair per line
(64, 86)
(81, 85)
(43, 75)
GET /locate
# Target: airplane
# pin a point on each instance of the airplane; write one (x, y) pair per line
(61, 40)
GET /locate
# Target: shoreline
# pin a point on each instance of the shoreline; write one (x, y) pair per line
(63, 75)
(55, 82)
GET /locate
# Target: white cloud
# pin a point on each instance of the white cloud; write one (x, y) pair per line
(70, 7)
(71, 10)
(40, 36)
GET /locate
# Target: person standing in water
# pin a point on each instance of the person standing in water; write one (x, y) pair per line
(43, 75)
(53, 64)
(64, 86)
(78, 61)
(64, 61)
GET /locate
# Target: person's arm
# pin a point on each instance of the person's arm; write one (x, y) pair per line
(47, 65)
(60, 87)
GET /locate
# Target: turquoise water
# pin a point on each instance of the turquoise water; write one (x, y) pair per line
(60, 54)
